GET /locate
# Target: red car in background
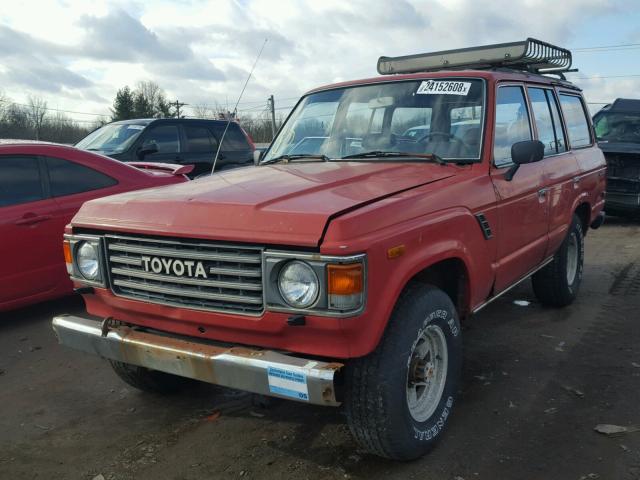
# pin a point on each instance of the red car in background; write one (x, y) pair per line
(42, 186)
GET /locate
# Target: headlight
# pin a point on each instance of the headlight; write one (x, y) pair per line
(298, 284)
(88, 261)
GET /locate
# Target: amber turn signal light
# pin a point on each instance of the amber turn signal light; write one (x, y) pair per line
(68, 259)
(345, 279)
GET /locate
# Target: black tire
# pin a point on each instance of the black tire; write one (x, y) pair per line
(551, 285)
(151, 381)
(376, 386)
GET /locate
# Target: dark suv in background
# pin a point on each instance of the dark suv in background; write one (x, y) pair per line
(617, 128)
(173, 140)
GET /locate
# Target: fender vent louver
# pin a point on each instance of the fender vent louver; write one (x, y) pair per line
(484, 225)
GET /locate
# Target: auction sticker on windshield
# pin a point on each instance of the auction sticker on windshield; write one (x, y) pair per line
(443, 87)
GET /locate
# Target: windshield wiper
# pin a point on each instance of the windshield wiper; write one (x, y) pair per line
(384, 154)
(289, 158)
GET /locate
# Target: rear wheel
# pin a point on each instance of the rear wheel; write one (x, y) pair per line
(558, 283)
(398, 398)
(148, 380)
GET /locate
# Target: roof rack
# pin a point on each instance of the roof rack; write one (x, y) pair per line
(530, 55)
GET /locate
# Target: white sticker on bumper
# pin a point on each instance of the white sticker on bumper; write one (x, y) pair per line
(288, 383)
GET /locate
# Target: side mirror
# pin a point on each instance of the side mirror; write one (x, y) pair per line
(257, 156)
(528, 151)
(147, 149)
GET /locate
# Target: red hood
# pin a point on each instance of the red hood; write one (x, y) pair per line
(277, 204)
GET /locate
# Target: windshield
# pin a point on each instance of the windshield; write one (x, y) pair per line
(618, 127)
(113, 138)
(441, 116)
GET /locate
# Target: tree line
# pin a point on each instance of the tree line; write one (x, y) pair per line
(34, 120)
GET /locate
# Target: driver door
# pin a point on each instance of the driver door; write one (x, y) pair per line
(523, 208)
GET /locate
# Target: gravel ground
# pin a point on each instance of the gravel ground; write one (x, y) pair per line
(536, 381)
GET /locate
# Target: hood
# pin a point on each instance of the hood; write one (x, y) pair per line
(278, 204)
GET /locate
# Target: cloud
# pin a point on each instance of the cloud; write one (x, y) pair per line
(203, 51)
(120, 37)
(43, 77)
(14, 43)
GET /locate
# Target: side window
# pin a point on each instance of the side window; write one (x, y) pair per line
(234, 140)
(576, 120)
(199, 139)
(465, 126)
(547, 120)
(412, 123)
(512, 123)
(67, 178)
(376, 121)
(20, 180)
(165, 137)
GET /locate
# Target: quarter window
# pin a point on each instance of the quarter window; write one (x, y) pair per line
(576, 121)
(545, 113)
(20, 180)
(512, 123)
(234, 140)
(67, 178)
(199, 139)
(165, 137)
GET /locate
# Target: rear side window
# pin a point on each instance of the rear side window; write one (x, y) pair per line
(575, 118)
(234, 140)
(199, 139)
(165, 137)
(545, 113)
(512, 123)
(67, 178)
(20, 180)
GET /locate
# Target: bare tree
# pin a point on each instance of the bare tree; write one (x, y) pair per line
(37, 111)
(203, 111)
(4, 104)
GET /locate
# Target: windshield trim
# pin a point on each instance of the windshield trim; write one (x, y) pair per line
(122, 147)
(478, 159)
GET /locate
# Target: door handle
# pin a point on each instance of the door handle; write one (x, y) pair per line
(542, 193)
(32, 220)
(576, 182)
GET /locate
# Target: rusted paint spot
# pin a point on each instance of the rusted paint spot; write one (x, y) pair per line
(332, 366)
(245, 352)
(327, 394)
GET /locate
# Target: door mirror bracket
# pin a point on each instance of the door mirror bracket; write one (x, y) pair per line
(528, 151)
(146, 149)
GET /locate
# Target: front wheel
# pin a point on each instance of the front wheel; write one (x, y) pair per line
(558, 283)
(398, 398)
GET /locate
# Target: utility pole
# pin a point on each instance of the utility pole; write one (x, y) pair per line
(272, 107)
(178, 105)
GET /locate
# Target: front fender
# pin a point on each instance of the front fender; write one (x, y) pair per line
(428, 240)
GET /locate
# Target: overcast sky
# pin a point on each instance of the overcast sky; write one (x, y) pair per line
(77, 54)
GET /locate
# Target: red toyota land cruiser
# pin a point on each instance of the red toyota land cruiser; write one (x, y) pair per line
(337, 271)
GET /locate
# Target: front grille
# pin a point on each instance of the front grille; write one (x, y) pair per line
(186, 273)
(623, 165)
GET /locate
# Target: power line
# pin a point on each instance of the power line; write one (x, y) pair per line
(622, 46)
(595, 77)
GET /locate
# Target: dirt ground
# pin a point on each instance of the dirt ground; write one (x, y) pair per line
(536, 381)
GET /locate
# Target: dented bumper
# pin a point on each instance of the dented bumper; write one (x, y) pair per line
(259, 371)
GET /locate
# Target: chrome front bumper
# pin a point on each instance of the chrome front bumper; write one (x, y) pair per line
(260, 371)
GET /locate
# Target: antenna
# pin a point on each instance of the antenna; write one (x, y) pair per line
(235, 109)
